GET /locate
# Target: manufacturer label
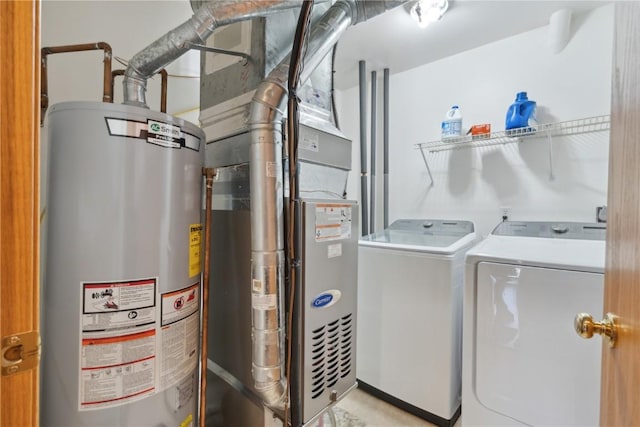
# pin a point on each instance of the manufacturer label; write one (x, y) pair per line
(333, 221)
(334, 251)
(154, 132)
(326, 299)
(185, 390)
(310, 142)
(264, 302)
(164, 134)
(195, 247)
(272, 169)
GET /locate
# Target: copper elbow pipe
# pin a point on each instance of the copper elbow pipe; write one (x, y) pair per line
(107, 92)
(163, 94)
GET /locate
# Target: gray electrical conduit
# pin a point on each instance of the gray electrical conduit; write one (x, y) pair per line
(208, 16)
(267, 246)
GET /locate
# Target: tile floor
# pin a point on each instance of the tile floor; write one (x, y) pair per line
(360, 409)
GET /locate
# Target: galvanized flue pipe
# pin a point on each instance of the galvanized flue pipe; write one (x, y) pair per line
(208, 16)
(163, 86)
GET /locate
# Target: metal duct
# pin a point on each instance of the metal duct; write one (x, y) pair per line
(208, 16)
(267, 248)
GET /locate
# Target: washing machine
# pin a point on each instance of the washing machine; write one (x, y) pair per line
(523, 363)
(410, 315)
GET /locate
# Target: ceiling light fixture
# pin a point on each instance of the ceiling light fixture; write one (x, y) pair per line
(428, 11)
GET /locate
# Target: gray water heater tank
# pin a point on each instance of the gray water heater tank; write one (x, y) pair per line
(121, 296)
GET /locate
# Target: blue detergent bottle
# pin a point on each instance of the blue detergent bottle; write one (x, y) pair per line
(520, 112)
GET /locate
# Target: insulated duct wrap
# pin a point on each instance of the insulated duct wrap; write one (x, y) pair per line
(208, 16)
(267, 186)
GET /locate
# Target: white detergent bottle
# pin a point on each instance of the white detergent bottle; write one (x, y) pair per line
(452, 124)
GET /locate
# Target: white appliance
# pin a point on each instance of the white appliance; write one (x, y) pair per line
(410, 315)
(523, 363)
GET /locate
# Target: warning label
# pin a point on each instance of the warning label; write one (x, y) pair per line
(180, 334)
(118, 343)
(136, 341)
(117, 370)
(195, 246)
(118, 305)
(333, 221)
(180, 304)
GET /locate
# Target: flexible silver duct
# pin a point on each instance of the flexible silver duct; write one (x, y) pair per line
(267, 245)
(267, 242)
(208, 16)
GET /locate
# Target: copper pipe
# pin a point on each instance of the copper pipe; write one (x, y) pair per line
(163, 89)
(114, 74)
(107, 92)
(209, 174)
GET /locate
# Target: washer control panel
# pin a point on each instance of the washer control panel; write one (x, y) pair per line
(435, 226)
(560, 230)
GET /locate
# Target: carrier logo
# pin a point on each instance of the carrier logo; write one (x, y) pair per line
(326, 299)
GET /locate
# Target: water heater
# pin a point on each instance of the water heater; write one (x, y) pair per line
(121, 299)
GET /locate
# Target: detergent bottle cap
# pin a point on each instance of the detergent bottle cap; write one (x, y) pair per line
(521, 96)
(454, 106)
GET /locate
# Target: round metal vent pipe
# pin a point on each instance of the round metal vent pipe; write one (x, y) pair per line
(208, 16)
(267, 245)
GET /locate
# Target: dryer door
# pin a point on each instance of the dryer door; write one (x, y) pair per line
(530, 364)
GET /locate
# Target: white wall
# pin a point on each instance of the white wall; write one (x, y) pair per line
(475, 183)
(128, 26)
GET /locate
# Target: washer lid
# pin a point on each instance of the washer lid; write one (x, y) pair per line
(552, 230)
(426, 235)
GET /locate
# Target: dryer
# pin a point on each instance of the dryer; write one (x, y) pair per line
(523, 363)
(410, 315)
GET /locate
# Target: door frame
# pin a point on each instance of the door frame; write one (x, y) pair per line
(620, 385)
(19, 195)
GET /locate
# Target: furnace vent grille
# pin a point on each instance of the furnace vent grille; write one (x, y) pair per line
(330, 354)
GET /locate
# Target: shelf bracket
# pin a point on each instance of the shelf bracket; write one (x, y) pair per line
(550, 146)
(426, 163)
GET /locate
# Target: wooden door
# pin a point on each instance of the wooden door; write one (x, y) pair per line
(620, 392)
(19, 219)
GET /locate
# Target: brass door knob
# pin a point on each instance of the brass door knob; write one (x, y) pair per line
(586, 327)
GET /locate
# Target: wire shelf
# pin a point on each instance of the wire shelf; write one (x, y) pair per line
(571, 127)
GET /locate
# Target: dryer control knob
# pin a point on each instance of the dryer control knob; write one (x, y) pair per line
(560, 229)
